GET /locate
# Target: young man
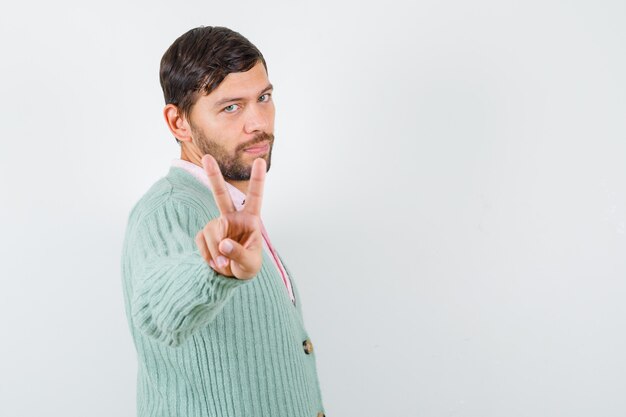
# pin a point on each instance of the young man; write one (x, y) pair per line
(214, 312)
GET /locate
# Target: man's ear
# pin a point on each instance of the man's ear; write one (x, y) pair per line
(177, 123)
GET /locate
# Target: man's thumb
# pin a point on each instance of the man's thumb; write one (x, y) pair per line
(230, 248)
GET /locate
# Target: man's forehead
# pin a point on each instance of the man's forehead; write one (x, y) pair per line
(242, 84)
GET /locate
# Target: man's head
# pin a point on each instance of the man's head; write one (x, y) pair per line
(219, 99)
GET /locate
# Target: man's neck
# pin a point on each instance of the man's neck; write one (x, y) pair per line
(194, 159)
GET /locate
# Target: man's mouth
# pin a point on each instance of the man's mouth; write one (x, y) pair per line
(259, 148)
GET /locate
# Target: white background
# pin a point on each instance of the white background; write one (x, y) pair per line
(447, 185)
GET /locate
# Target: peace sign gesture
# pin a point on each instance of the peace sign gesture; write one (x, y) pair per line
(232, 243)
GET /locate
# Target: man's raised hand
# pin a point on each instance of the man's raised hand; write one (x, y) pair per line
(232, 243)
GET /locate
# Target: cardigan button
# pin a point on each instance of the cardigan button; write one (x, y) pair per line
(308, 347)
(320, 414)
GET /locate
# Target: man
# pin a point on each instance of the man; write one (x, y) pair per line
(214, 312)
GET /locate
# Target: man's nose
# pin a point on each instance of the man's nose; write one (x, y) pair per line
(257, 118)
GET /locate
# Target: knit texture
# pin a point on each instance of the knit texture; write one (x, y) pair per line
(208, 345)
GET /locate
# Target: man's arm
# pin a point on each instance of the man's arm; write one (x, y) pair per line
(180, 285)
(175, 291)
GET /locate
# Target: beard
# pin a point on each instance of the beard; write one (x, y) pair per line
(232, 166)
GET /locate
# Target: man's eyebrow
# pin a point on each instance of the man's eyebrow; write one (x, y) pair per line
(226, 100)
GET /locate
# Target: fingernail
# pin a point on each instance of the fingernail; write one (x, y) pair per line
(227, 246)
(221, 261)
(212, 264)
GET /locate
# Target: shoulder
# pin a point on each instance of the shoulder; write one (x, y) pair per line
(178, 191)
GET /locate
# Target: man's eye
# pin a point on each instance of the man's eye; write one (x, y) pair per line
(268, 95)
(231, 107)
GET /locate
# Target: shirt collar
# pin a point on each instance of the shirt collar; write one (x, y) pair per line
(237, 196)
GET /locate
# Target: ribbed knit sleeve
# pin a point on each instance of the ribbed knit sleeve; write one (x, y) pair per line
(175, 291)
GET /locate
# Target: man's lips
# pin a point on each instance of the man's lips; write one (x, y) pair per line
(259, 148)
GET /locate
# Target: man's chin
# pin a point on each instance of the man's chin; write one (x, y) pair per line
(266, 156)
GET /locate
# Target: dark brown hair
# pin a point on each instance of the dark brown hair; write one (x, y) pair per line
(199, 60)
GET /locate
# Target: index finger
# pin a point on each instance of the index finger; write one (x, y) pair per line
(254, 197)
(218, 185)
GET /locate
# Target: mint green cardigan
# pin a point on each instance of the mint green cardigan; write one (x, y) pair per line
(209, 345)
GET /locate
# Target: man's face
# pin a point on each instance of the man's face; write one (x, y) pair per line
(235, 123)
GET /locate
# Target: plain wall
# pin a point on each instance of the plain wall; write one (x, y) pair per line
(447, 186)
